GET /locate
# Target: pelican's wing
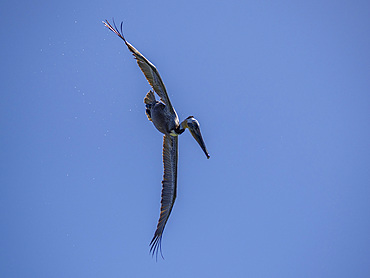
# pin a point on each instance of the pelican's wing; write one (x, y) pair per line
(169, 187)
(149, 70)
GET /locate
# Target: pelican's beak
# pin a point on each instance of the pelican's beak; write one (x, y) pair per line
(194, 128)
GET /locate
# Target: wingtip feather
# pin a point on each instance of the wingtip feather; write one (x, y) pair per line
(156, 246)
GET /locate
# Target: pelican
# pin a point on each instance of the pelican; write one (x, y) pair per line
(166, 121)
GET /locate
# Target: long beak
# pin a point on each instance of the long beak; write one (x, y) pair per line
(194, 129)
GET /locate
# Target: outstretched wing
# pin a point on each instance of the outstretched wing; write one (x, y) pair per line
(169, 188)
(149, 70)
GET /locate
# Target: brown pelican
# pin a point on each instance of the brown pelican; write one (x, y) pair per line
(165, 119)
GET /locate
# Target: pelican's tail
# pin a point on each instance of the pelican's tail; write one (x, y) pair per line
(149, 98)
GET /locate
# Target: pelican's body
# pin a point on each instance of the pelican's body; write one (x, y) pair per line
(166, 121)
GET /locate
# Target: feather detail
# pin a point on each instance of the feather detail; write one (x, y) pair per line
(150, 71)
(149, 98)
(169, 189)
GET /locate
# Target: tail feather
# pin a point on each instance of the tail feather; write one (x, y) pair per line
(149, 98)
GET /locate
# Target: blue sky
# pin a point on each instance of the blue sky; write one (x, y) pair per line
(282, 92)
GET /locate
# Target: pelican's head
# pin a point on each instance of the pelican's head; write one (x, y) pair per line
(193, 125)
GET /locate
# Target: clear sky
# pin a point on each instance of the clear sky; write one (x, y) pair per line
(281, 90)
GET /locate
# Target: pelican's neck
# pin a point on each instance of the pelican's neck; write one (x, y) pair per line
(181, 128)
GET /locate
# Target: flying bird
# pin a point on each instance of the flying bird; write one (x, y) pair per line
(165, 119)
